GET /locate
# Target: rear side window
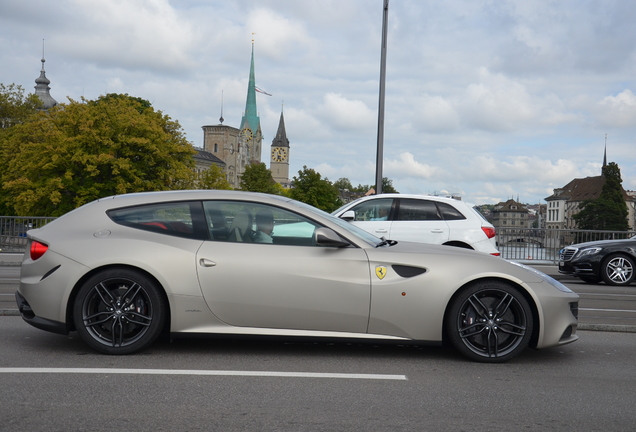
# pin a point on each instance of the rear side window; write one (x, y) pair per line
(417, 210)
(449, 212)
(165, 218)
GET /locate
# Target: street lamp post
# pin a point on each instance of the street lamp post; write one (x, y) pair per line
(380, 151)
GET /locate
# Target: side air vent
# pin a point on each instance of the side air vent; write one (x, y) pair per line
(408, 271)
(50, 272)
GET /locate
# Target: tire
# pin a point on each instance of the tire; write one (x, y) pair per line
(119, 311)
(618, 270)
(489, 322)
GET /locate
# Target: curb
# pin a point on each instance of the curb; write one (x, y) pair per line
(9, 312)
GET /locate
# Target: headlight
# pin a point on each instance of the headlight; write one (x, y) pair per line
(555, 283)
(588, 251)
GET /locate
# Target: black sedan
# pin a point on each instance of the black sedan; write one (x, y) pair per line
(612, 261)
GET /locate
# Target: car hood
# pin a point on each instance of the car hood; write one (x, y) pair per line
(605, 243)
(454, 262)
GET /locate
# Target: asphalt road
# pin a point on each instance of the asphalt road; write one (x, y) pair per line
(55, 383)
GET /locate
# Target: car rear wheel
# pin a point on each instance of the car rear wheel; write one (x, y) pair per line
(119, 311)
(618, 270)
(489, 322)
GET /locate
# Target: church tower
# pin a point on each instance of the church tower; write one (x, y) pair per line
(250, 136)
(237, 147)
(279, 159)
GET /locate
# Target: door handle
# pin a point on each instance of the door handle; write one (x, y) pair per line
(437, 230)
(206, 262)
(381, 231)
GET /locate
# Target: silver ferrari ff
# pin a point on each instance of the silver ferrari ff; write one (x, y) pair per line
(124, 269)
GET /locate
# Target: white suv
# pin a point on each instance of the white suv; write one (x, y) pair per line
(423, 219)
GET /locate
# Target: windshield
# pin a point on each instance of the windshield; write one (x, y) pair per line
(358, 232)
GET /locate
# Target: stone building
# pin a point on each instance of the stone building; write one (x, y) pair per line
(237, 147)
(203, 160)
(510, 214)
(565, 202)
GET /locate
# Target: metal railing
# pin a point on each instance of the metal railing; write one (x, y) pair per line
(543, 245)
(13, 231)
(536, 245)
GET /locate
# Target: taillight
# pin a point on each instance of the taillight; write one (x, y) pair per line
(37, 249)
(489, 231)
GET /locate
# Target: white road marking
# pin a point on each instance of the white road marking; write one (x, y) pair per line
(204, 373)
(607, 310)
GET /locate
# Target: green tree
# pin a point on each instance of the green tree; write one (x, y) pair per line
(80, 151)
(311, 188)
(343, 183)
(14, 106)
(213, 178)
(609, 210)
(387, 187)
(257, 178)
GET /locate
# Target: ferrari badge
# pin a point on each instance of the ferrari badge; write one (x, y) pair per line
(380, 272)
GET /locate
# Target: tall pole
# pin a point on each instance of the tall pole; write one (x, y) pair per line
(380, 153)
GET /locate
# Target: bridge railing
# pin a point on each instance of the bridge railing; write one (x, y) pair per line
(13, 231)
(543, 245)
(518, 244)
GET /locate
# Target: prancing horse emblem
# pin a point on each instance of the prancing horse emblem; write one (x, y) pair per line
(380, 272)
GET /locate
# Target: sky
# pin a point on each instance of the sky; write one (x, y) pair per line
(486, 99)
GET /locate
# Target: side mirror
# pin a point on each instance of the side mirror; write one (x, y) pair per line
(328, 237)
(349, 215)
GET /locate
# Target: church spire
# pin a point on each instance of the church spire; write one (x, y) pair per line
(250, 116)
(605, 153)
(42, 87)
(280, 140)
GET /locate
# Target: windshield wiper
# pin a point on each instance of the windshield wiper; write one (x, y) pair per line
(386, 242)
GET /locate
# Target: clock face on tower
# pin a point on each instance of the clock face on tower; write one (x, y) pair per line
(247, 133)
(279, 154)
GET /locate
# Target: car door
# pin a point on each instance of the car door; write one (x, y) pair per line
(418, 220)
(289, 283)
(374, 216)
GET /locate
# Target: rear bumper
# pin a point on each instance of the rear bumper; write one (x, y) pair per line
(42, 323)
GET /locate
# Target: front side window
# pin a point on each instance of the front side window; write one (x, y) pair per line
(173, 218)
(248, 222)
(373, 210)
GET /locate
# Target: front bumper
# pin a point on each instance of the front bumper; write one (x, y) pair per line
(580, 268)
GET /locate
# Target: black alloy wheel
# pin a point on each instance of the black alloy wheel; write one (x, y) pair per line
(618, 270)
(119, 311)
(490, 322)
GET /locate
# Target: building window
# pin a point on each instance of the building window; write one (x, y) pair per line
(216, 148)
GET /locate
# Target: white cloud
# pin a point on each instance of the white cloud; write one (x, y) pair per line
(346, 114)
(145, 34)
(487, 99)
(619, 110)
(407, 166)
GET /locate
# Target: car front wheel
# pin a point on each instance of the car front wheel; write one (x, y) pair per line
(618, 270)
(119, 311)
(489, 322)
